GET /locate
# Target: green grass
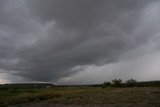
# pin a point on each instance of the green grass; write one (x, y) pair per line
(75, 95)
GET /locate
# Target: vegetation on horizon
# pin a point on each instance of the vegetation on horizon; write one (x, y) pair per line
(129, 83)
(118, 83)
(115, 92)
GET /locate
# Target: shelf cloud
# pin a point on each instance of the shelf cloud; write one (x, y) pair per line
(79, 41)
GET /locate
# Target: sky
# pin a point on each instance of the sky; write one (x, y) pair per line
(79, 41)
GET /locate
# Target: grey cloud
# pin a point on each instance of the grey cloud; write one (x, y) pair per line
(78, 14)
(44, 40)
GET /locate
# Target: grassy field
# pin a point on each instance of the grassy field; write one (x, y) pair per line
(82, 95)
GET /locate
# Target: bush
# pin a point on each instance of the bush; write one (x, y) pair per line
(106, 84)
(131, 83)
(117, 82)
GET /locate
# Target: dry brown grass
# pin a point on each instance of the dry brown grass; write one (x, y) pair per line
(91, 95)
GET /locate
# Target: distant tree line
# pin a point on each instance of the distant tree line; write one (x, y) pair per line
(129, 83)
(118, 83)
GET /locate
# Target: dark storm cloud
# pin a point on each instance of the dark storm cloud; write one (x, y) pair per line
(45, 40)
(78, 14)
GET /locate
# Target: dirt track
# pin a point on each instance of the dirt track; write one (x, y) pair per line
(46, 104)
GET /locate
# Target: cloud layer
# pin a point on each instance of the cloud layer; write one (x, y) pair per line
(79, 41)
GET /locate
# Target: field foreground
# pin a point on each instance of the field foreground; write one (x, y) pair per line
(80, 96)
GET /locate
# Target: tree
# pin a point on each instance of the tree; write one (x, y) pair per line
(106, 84)
(117, 82)
(131, 82)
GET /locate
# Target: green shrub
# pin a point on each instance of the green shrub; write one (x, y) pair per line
(106, 84)
(117, 82)
(131, 82)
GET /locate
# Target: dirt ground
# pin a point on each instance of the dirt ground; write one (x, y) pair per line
(46, 104)
(87, 97)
